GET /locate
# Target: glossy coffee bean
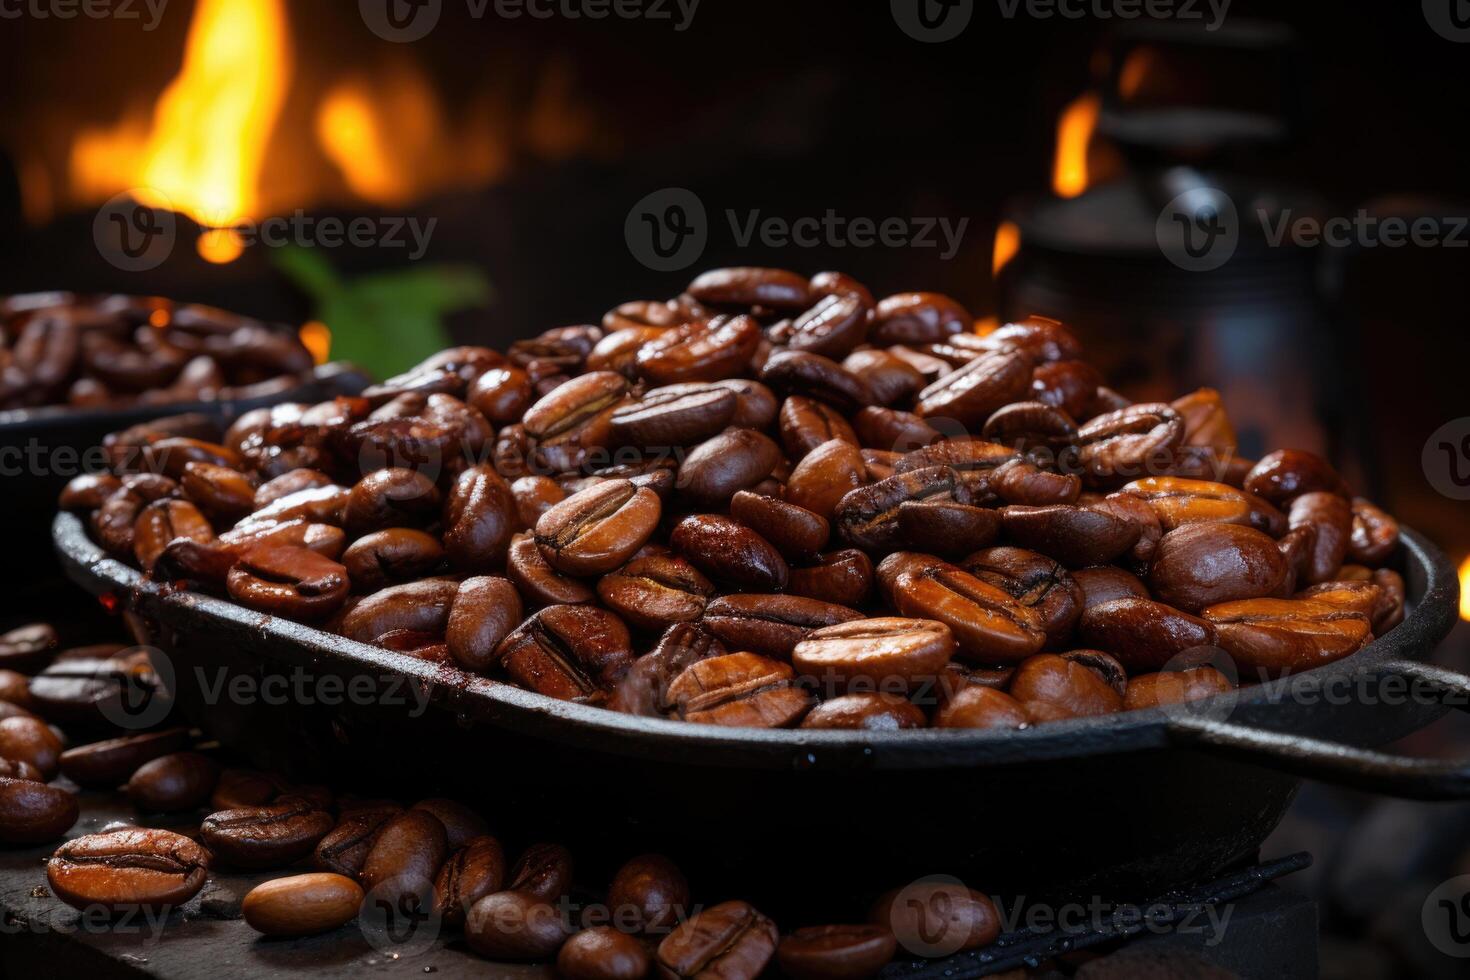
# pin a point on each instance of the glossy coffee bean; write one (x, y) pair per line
(161, 522)
(288, 581)
(743, 287)
(1174, 687)
(988, 625)
(843, 578)
(836, 952)
(567, 652)
(1177, 501)
(1069, 688)
(394, 497)
(1391, 612)
(32, 812)
(344, 849)
(172, 783)
(678, 415)
(971, 394)
(270, 836)
(719, 349)
(389, 556)
(1279, 636)
(28, 739)
(731, 940)
(1026, 425)
(420, 607)
(301, 905)
(595, 531)
(108, 764)
(814, 376)
(741, 689)
(1199, 565)
(405, 856)
(1103, 583)
(938, 915)
(485, 609)
(979, 706)
(1129, 444)
(1331, 517)
(543, 871)
(223, 493)
(1036, 582)
(648, 893)
(806, 423)
(28, 648)
(537, 581)
(891, 379)
(1143, 634)
(795, 531)
(479, 519)
(1075, 536)
(918, 318)
(602, 953)
(1021, 482)
(1286, 474)
(875, 712)
(474, 870)
(88, 491)
(1375, 534)
(512, 925)
(644, 689)
(655, 592)
(868, 517)
(874, 654)
(730, 553)
(501, 394)
(124, 870)
(771, 625)
(718, 468)
(826, 475)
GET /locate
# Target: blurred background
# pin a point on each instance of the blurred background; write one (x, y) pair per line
(498, 165)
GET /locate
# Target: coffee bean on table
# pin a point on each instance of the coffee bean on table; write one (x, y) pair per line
(108, 764)
(875, 654)
(598, 529)
(473, 871)
(171, 783)
(648, 893)
(128, 869)
(28, 739)
(602, 953)
(731, 940)
(270, 836)
(405, 856)
(827, 952)
(32, 812)
(542, 871)
(345, 848)
(301, 905)
(512, 925)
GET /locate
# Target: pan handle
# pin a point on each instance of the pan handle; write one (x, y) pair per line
(1345, 765)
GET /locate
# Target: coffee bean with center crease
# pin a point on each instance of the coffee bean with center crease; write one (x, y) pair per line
(946, 527)
(719, 349)
(1035, 581)
(537, 581)
(868, 517)
(988, 625)
(770, 625)
(485, 609)
(806, 423)
(344, 849)
(1143, 634)
(648, 893)
(223, 493)
(844, 578)
(270, 836)
(832, 326)
(598, 529)
(108, 764)
(479, 519)
(1286, 474)
(1075, 536)
(421, 607)
(795, 531)
(161, 522)
(1178, 501)
(875, 654)
(679, 415)
(574, 418)
(892, 380)
(718, 468)
(656, 592)
(1128, 444)
(802, 373)
(172, 783)
(542, 871)
(405, 856)
(472, 872)
(567, 652)
(395, 497)
(287, 581)
(128, 869)
(32, 812)
(1280, 636)
(644, 688)
(741, 690)
(391, 555)
(729, 552)
(1066, 686)
(731, 940)
(830, 952)
(918, 318)
(971, 394)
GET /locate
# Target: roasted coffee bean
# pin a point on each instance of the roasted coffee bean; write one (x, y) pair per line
(743, 287)
(1279, 636)
(474, 870)
(891, 430)
(237, 788)
(962, 455)
(1035, 581)
(391, 498)
(971, 394)
(479, 519)
(1120, 446)
(270, 836)
(655, 592)
(1030, 425)
(648, 894)
(28, 648)
(1288, 473)
(392, 555)
(88, 491)
(287, 581)
(770, 625)
(301, 905)
(288, 483)
(868, 517)
(543, 871)
(15, 688)
(574, 418)
(125, 870)
(1068, 687)
(1205, 420)
(1199, 565)
(718, 468)
(1134, 510)
(730, 553)
(320, 505)
(679, 415)
(32, 812)
(1375, 534)
(946, 527)
(1144, 635)
(1103, 583)
(1360, 597)
(988, 625)
(832, 326)
(799, 372)
(940, 915)
(223, 493)
(345, 847)
(420, 607)
(826, 475)
(741, 689)
(28, 739)
(598, 529)
(795, 531)
(644, 689)
(836, 952)
(171, 783)
(891, 379)
(843, 578)
(806, 423)
(108, 764)
(501, 394)
(537, 581)
(16, 769)
(1177, 502)
(567, 652)
(602, 953)
(1391, 612)
(512, 925)
(534, 496)
(874, 712)
(1043, 338)
(485, 609)
(405, 856)
(1021, 482)
(1331, 517)
(1070, 385)
(918, 318)
(731, 940)
(461, 823)
(161, 522)
(719, 349)
(1174, 687)
(875, 654)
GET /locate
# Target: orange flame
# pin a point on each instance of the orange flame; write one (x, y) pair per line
(1136, 67)
(317, 338)
(1007, 244)
(202, 151)
(1465, 590)
(1074, 136)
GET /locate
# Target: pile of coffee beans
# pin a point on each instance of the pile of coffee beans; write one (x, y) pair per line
(774, 501)
(113, 351)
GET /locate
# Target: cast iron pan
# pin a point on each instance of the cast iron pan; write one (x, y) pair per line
(1135, 802)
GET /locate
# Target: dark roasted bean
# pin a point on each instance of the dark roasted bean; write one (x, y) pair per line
(971, 394)
(567, 652)
(1279, 636)
(537, 581)
(730, 553)
(1144, 635)
(32, 812)
(656, 591)
(602, 953)
(108, 764)
(718, 468)
(731, 940)
(288, 581)
(125, 870)
(301, 905)
(269, 836)
(171, 783)
(1199, 565)
(770, 625)
(836, 952)
(740, 689)
(473, 871)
